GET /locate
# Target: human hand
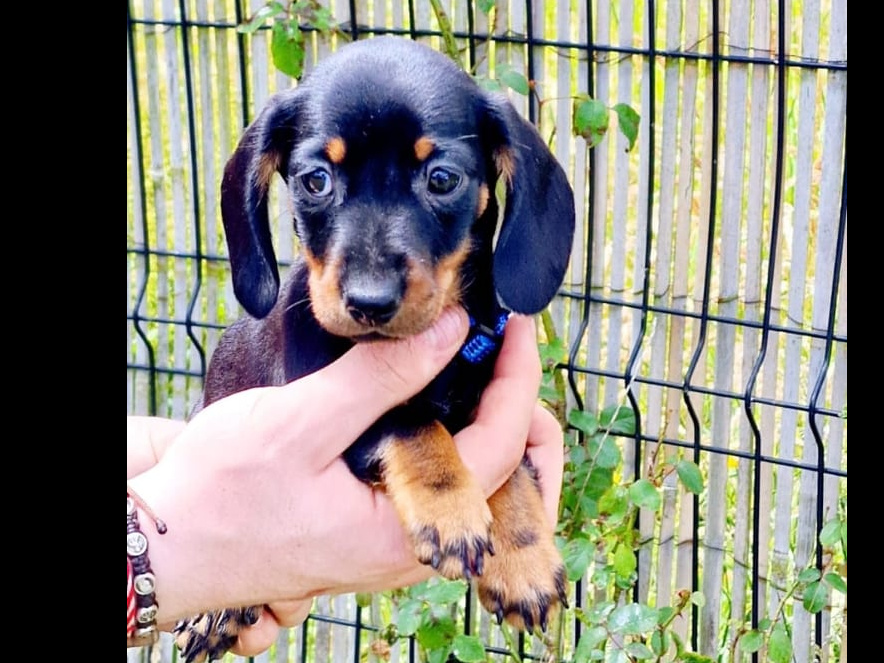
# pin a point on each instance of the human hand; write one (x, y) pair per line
(250, 487)
(508, 416)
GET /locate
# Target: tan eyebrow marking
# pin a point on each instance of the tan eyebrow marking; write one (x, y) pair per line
(423, 146)
(336, 150)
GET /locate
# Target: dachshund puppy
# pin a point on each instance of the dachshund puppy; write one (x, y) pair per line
(392, 156)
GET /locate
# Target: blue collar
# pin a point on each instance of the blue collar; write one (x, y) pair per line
(482, 341)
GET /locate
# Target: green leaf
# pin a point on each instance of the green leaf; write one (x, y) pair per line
(625, 561)
(445, 592)
(409, 618)
(831, 533)
(660, 642)
(599, 612)
(614, 503)
(664, 613)
(485, 6)
(618, 656)
(513, 79)
(698, 599)
(468, 648)
(779, 647)
(639, 651)
(363, 599)
(764, 624)
(690, 475)
(577, 555)
(590, 639)
(816, 596)
(441, 655)
(836, 582)
(618, 419)
(252, 25)
(645, 494)
(585, 422)
(604, 451)
(809, 575)
(489, 84)
(590, 118)
(287, 48)
(632, 619)
(691, 657)
(600, 479)
(437, 633)
(751, 641)
(627, 121)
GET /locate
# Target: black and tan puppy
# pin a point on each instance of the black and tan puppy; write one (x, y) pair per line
(391, 155)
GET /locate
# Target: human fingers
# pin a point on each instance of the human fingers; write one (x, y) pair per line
(493, 445)
(546, 449)
(261, 635)
(369, 380)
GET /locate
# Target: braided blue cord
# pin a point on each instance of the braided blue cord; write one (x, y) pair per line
(482, 341)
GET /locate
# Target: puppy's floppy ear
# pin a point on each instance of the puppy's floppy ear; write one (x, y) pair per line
(262, 151)
(534, 244)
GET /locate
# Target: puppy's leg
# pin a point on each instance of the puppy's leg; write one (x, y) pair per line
(208, 636)
(440, 503)
(524, 582)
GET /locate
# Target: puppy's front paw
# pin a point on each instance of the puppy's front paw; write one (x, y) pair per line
(524, 585)
(450, 529)
(524, 582)
(208, 636)
(439, 502)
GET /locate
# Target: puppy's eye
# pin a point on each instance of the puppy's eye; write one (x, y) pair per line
(318, 182)
(442, 181)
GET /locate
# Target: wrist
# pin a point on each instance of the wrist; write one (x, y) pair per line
(141, 605)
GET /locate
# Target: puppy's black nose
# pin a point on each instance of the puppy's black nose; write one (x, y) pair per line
(373, 307)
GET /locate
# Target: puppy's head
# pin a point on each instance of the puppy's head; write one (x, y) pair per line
(391, 155)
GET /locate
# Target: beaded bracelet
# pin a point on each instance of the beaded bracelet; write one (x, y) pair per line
(143, 581)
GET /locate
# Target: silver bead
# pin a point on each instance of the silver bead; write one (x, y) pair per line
(145, 584)
(136, 544)
(147, 614)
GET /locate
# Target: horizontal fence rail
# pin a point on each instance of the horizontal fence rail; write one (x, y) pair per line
(706, 295)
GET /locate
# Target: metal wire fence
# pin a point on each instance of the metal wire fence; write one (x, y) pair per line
(707, 291)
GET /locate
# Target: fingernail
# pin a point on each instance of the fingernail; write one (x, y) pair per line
(449, 330)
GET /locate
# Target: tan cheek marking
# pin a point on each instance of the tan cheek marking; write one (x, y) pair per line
(423, 146)
(448, 273)
(506, 164)
(483, 200)
(323, 283)
(336, 150)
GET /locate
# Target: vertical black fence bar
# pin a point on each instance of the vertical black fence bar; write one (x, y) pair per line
(748, 394)
(241, 55)
(628, 371)
(530, 43)
(198, 256)
(821, 378)
(144, 251)
(715, 65)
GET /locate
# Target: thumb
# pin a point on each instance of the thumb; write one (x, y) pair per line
(372, 378)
